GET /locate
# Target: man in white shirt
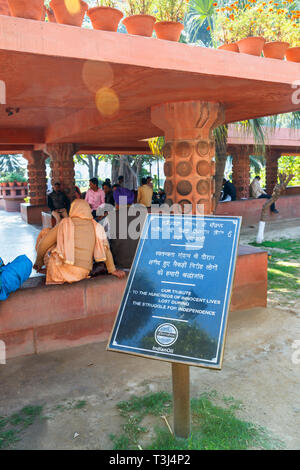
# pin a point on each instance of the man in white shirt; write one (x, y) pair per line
(257, 192)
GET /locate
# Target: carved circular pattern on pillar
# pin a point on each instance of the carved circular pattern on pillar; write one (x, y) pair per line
(203, 187)
(169, 202)
(168, 187)
(206, 205)
(202, 148)
(203, 168)
(188, 206)
(183, 169)
(167, 150)
(184, 187)
(168, 169)
(184, 149)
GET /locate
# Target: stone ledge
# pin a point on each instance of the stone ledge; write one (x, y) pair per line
(250, 209)
(39, 318)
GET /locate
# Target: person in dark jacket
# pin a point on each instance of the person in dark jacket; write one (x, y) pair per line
(229, 191)
(58, 203)
(109, 195)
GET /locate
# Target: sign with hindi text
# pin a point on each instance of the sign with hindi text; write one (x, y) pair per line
(177, 296)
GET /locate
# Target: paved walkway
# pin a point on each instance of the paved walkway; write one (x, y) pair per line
(16, 237)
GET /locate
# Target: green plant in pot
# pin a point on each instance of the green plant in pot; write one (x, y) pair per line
(169, 15)
(105, 16)
(245, 30)
(139, 20)
(222, 33)
(292, 36)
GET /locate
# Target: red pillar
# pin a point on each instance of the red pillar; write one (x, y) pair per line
(62, 166)
(31, 212)
(241, 171)
(37, 177)
(272, 157)
(189, 150)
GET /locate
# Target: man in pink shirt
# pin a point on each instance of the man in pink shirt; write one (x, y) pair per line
(94, 196)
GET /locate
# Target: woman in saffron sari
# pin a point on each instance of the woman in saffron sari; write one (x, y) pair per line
(68, 250)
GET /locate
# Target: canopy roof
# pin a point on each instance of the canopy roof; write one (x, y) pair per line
(52, 73)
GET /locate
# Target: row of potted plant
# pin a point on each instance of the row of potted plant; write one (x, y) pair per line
(142, 16)
(259, 27)
(241, 27)
(13, 180)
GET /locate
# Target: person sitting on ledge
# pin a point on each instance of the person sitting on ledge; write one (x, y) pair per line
(94, 196)
(229, 191)
(67, 250)
(122, 195)
(12, 275)
(58, 203)
(257, 192)
(145, 192)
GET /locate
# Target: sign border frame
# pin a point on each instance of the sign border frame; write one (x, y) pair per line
(213, 367)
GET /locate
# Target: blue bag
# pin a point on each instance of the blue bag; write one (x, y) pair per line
(12, 275)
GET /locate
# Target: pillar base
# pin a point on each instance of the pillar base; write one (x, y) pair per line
(32, 214)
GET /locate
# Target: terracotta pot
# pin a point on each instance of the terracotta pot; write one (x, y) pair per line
(11, 184)
(51, 16)
(32, 10)
(140, 25)
(63, 16)
(293, 54)
(233, 47)
(252, 45)
(275, 50)
(169, 30)
(105, 18)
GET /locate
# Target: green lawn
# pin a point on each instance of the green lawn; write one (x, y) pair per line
(214, 427)
(283, 266)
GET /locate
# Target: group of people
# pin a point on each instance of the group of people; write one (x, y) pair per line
(256, 191)
(59, 203)
(66, 252)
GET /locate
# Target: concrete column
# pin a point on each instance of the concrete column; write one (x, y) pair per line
(241, 171)
(62, 166)
(37, 177)
(32, 212)
(189, 150)
(272, 157)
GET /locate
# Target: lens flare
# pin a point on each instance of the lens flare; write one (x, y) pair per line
(97, 75)
(107, 101)
(73, 6)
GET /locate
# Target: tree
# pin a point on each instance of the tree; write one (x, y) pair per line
(12, 164)
(278, 189)
(91, 161)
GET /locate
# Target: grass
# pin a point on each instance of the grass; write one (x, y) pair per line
(214, 427)
(283, 266)
(11, 427)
